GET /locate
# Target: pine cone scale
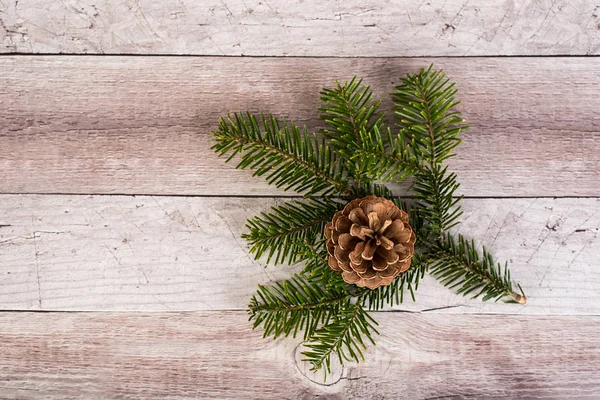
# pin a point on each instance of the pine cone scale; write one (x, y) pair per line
(350, 277)
(343, 224)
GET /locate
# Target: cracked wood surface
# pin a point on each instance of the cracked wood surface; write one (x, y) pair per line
(141, 125)
(144, 253)
(134, 125)
(188, 355)
(305, 28)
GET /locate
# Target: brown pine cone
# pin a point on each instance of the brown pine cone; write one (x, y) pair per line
(370, 241)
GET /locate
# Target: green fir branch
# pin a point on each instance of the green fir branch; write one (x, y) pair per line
(284, 233)
(346, 335)
(437, 203)
(385, 157)
(349, 110)
(375, 189)
(317, 269)
(278, 151)
(295, 305)
(425, 105)
(426, 108)
(458, 265)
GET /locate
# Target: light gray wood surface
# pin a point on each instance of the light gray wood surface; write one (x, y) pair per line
(140, 125)
(179, 253)
(304, 28)
(216, 355)
(76, 126)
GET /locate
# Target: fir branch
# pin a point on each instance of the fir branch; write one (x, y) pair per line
(425, 104)
(297, 304)
(385, 157)
(283, 233)
(345, 335)
(437, 204)
(457, 264)
(349, 110)
(375, 189)
(277, 150)
(318, 271)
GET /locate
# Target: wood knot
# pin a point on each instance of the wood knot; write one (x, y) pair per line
(318, 377)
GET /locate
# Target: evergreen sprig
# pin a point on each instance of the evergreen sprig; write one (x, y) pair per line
(458, 265)
(277, 150)
(284, 233)
(355, 154)
(294, 305)
(387, 157)
(318, 270)
(348, 110)
(426, 108)
(346, 336)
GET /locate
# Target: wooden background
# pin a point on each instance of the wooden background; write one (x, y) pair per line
(122, 274)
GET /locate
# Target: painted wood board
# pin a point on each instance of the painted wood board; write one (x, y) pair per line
(217, 355)
(305, 28)
(141, 253)
(141, 125)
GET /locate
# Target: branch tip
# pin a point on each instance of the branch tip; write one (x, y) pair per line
(519, 298)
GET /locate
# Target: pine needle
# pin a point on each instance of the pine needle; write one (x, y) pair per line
(278, 151)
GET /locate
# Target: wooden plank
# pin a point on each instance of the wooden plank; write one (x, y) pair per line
(140, 125)
(216, 355)
(180, 253)
(283, 28)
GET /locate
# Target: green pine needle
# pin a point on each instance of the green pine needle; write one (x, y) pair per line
(345, 336)
(318, 270)
(438, 205)
(277, 150)
(348, 110)
(385, 157)
(375, 189)
(425, 105)
(283, 233)
(458, 265)
(296, 305)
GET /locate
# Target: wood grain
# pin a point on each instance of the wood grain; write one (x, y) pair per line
(216, 355)
(140, 125)
(179, 253)
(306, 28)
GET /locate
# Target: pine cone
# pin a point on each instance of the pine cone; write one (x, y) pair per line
(370, 241)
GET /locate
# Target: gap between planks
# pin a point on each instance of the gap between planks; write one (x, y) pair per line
(323, 57)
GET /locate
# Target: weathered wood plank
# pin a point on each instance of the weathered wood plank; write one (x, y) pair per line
(141, 124)
(307, 28)
(178, 253)
(216, 355)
